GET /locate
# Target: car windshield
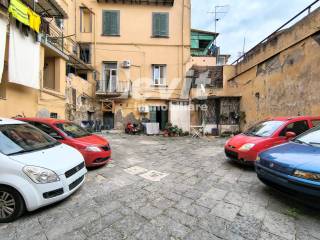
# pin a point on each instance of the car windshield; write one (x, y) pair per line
(72, 130)
(311, 137)
(23, 138)
(264, 129)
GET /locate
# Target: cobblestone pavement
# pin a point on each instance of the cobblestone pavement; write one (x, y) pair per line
(164, 188)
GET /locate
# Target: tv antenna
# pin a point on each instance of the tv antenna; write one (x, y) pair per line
(217, 14)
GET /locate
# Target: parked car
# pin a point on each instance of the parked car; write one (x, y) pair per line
(95, 149)
(245, 147)
(36, 170)
(293, 167)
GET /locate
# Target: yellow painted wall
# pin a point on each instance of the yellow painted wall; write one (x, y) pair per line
(137, 45)
(25, 101)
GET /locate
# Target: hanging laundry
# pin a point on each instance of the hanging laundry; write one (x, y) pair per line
(19, 11)
(3, 37)
(24, 59)
(35, 20)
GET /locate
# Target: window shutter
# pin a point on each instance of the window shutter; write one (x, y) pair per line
(111, 23)
(164, 24)
(114, 23)
(156, 24)
(153, 115)
(160, 24)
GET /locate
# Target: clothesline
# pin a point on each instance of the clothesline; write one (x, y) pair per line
(25, 15)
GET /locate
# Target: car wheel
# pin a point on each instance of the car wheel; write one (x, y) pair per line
(11, 204)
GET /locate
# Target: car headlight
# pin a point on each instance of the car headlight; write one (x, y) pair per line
(93, 149)
(246, 147)
(307, 175)
(40, 175)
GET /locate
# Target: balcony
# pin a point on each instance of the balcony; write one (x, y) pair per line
(47, 8)
(107, 89)
(53, 40)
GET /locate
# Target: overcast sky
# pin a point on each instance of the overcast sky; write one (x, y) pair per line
(252, 19)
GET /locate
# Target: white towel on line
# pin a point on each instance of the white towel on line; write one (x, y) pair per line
(24, 59)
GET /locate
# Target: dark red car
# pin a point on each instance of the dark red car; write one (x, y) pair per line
(245, 147)
(95, 149)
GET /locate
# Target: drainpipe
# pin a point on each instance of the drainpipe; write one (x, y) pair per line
(182, 39)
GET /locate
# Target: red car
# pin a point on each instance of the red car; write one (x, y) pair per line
(245, 147)
(95, 149)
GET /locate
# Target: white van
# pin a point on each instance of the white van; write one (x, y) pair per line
(35, 169)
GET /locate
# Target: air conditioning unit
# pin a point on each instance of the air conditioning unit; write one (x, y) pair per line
(126, 64)
(143, 109)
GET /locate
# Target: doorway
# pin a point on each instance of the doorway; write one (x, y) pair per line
(108, 120)
(159, 115)
(110, 75)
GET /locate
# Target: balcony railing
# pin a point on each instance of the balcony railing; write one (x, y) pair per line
(53, 36)
(107, 88)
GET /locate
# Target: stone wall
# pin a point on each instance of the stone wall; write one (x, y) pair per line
(281, 76)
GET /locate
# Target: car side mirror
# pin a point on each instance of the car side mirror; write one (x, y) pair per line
(290, 135)
(56, 136)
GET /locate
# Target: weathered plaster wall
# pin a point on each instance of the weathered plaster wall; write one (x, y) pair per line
(25, 101)
(279, 77)
(137, 45)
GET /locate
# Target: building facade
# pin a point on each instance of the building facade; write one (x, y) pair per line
(36, 79)
(278, 77)
(141, 50)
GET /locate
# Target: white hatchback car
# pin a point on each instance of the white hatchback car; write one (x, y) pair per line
(36, 170)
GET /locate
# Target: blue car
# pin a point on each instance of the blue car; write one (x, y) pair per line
(293, 167)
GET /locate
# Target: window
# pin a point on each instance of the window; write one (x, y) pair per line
(296, 127)
(44, 127)
(85, 20)
(59, 22)
(53, 115)
(159, 74)
(221, 60)
(315, 123)
(111, 23)
(23, 138)
(72, 130)
(160, 24)
(110, 77)
(264, 129)
(85, 53)
(49, 74)
(312, 137)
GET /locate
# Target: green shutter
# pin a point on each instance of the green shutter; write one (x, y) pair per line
(153, 115)
(164, 24)
(160, 24)
(156, 24)
(111, 21)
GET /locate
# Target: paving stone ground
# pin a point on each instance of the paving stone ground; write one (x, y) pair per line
(169, 188)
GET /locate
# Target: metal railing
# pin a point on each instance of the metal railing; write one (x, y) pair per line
(53, 36)
(307, 9)
(108, 87)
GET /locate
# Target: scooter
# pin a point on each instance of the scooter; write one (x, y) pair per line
(132, 129)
